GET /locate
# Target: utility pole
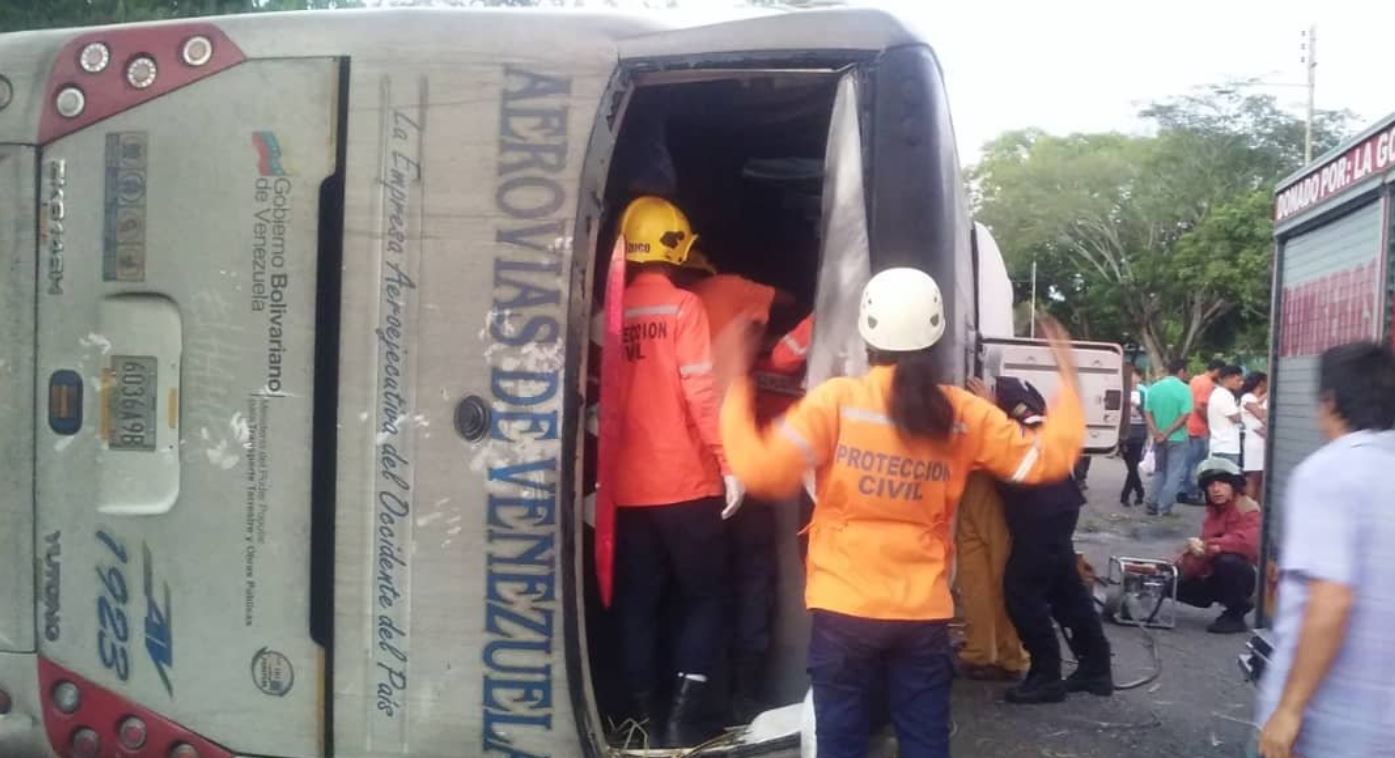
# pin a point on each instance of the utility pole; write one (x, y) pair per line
(1310, 59)
(1033, 319)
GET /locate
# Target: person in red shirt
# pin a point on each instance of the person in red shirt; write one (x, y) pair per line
(672, 485)
(1219, 566)
(1199, 430)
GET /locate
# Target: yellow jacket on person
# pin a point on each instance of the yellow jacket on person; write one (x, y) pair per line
(880, 542)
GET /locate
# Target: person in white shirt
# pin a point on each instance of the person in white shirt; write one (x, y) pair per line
(1223, 415)
(1254, 415)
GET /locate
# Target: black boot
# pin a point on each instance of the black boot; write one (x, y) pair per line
(1094, 669)
(1093, 675)
(1038, 687)
(747, 677)
(1229, 622)
(687, 725)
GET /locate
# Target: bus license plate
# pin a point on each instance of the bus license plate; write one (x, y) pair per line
(133, 402)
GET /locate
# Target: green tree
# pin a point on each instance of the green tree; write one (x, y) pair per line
(1162, 240)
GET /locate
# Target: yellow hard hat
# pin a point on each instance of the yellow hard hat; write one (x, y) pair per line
(656, 231)
(698, 261)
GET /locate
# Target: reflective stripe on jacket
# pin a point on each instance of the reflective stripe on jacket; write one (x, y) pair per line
(792, 350)
(669, 448)
(881, 543)
(780, 377)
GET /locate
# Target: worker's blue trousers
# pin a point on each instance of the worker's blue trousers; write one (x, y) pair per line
(853, 660)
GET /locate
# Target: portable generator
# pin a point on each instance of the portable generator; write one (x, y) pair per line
(1141, 592)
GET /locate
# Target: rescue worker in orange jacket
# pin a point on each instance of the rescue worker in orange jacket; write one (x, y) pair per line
(672, 484)
(779, 377)
(727, 297)
(752, 555)
(891, 451)
(791, 351)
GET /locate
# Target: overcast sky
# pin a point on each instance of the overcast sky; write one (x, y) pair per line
(1086, 65)
(1089, 65)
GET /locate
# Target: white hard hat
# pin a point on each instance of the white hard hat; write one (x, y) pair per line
(901, 311)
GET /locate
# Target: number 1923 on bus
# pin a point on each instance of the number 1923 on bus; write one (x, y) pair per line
(114, 627)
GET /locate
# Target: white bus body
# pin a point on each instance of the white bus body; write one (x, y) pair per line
(301, 302)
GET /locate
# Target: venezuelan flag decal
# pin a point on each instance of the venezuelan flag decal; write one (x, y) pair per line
(268, 154)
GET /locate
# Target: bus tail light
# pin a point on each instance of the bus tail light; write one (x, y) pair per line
(95, 57)
(66, 697)
(70, 102)
(131, 734)
(141, 72)
(102, 73)
(86, 743)
(197, 50)
(82, 719)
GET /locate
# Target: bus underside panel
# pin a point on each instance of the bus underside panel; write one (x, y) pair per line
(19, 632)
(452, 529)
(177, 301)
(17, 250)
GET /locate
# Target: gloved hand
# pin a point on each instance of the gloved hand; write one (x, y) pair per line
(1196, 547)
(736, 493)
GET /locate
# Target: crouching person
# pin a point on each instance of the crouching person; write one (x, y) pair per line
(1219, 566)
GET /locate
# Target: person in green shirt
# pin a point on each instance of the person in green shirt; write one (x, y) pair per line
(1168, 405)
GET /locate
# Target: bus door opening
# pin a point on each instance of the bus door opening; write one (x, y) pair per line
(767, 165)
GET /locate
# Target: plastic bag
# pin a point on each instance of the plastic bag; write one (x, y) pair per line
(1149, 462)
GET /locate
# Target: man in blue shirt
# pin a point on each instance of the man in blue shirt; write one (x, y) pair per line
(1331, 688)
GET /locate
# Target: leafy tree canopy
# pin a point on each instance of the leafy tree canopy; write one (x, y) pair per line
(1162, 240)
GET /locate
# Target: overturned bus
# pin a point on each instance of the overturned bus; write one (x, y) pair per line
(302, 305)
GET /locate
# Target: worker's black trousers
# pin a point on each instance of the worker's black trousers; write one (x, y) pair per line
(1133, 483)
(683, 544)
(1231, 582)
(1041, 582)
(754, 565)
